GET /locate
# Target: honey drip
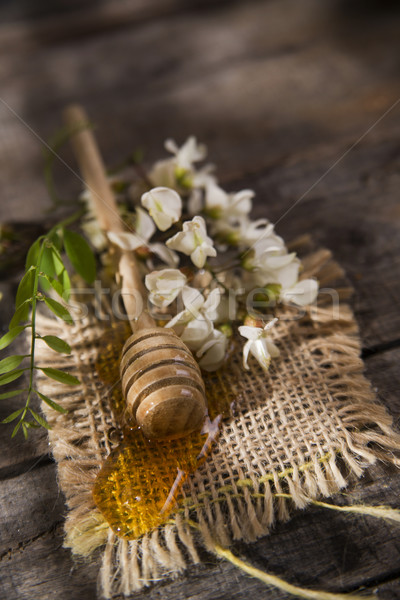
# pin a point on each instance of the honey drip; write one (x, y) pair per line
(140, 481)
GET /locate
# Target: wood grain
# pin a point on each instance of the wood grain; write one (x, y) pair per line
(311, 82)
(280, 91)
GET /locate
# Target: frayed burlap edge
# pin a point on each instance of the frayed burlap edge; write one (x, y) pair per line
(247, 507)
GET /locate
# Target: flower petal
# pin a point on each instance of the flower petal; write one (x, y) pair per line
(260, 352)
(164, 205)
(303, 293)
(246, 351)
(198, 257)
(168, 256)
(251, 333)
(212, 353)
(193, 299)
(211, 304)
(196, 333)
(164, 286)
(272, 348)
(144, 225)
(125, 240)
(183, 242)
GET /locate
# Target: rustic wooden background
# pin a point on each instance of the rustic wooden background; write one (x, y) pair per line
(294, 99)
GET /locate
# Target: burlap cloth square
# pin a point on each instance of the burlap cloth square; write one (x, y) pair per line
(293, 432)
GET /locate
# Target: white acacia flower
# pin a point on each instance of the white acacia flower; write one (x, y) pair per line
(260, 235)
(255, 235)
(281, 269)
(220, 204)
(196, 332)
(273, 266)
(197, 307)
(301, 293)
(193, 241)
(203, 177)
(259, 345)
(163, 173)
(164, 205)
(194, 324)
(195, 202)
(164, 286)
(195, 327)
(178, 172)
(144, 230)
(212, 352)
(187, 154)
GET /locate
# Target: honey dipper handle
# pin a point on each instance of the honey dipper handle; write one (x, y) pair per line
(94, 175)
(92, 169)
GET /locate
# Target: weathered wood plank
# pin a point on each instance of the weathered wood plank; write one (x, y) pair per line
(45, 23)
(353, 215)
(390, 591)
(31, 504)
(279, 90)
(43, 570)
(384, 373)
(314, 548)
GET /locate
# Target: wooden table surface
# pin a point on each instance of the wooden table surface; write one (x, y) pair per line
(297, 100)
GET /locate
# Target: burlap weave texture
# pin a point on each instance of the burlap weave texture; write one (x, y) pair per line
(292, 432)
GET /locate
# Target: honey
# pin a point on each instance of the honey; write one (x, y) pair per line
(140, 481)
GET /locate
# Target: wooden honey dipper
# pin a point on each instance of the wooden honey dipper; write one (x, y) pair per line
(161, 381)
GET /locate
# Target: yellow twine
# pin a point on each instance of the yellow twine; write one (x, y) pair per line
(283, 585)
(275, 581)
(379, 512)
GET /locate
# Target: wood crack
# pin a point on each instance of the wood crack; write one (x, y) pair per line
(11, 552)
(374, 582)
(24, 466)
(379, 348)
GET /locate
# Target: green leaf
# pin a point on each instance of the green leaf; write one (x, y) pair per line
(55, 284)
(21, 314)
(33, 254)
(47, 267)
(55, 238)
(25, 428)
(25, 288)
(9, 377)
(55, 343)
(59, 266)
(10, 336)
(51, 263)
(47, 263)
(16, 429)
(13, 416)
(66, 283)
(80, 255)
(58, 309)
(60, 376)
(11, 394)
(41, 420)
(62, 285)
(30, 425)
(51, 403)
(11, 362)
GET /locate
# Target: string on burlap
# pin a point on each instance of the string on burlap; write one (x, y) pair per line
(299, 433)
